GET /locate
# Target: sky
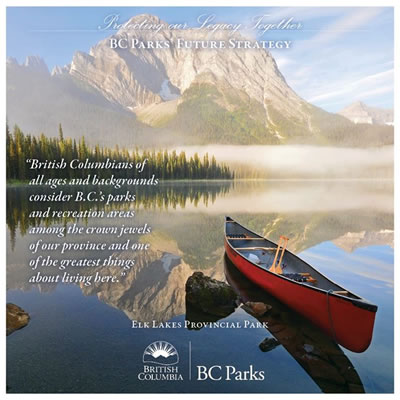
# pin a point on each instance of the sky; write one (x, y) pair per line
(339, 56)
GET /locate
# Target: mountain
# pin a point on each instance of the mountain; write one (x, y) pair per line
(176, 94)
(38, 102)
(360, 113)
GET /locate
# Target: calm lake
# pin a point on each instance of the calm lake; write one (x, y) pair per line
(80, 338)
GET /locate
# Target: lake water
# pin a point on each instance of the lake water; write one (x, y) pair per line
(80, 338)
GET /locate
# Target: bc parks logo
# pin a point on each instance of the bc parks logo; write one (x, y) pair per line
(228, 373)
(160, 359)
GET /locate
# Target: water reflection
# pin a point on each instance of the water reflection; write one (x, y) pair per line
(317, 353)
(187, 236)
(162, 198)
(194, 240)
(216, 197)
(195, 243)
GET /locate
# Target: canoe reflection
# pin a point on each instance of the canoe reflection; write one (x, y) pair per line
(317, 353)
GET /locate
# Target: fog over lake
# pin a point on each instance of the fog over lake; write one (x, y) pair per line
(299, 196)
(294, 161)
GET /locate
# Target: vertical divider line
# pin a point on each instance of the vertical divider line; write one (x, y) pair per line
(190, 360)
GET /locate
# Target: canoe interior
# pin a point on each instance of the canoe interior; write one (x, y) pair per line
(290, 262)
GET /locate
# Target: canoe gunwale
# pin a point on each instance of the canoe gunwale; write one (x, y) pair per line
(358, 302)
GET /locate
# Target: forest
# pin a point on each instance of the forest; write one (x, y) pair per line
(163, 164)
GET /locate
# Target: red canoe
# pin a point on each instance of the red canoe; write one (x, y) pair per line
(346, 317)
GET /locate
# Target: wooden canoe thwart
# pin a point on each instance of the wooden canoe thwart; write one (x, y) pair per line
(345, 316)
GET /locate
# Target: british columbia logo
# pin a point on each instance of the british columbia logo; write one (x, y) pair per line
(159, 363)
(161, 353)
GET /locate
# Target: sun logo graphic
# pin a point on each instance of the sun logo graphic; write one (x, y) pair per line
(161, 353)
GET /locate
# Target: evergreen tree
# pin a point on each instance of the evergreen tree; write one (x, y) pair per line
(163, 164)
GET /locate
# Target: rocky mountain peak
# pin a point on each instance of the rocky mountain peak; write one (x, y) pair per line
(145, 18)
(143, 74)
(11, 61)
(58, 70)
(359, 112)
(36, 64)
(358, 105)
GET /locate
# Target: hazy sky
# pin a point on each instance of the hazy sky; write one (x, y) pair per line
(341, 55)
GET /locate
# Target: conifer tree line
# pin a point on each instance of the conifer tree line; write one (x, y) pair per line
(163, 164)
